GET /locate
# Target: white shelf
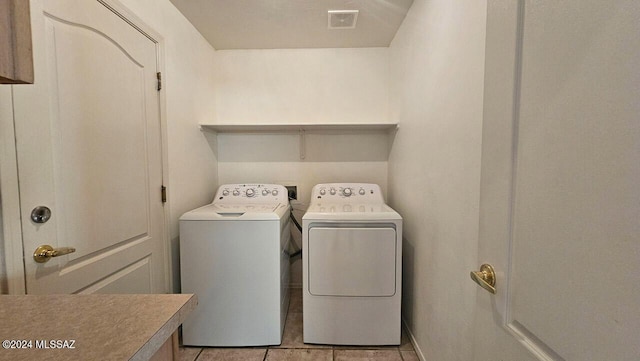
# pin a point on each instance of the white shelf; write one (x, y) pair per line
(291, 128)
(302, 130)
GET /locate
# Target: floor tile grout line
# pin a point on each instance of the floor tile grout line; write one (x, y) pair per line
(198, 355)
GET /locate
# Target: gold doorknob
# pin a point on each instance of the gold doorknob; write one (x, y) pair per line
(486, 277)
(45, 252)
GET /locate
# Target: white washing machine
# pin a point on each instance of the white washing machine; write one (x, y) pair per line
(352, 266)
(234, 257)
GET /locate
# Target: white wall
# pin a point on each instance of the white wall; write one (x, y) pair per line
(189, 86)
(437, 65)
(302, 86)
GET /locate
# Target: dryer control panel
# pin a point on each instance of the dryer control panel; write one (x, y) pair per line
(251, 193)
(347, 192)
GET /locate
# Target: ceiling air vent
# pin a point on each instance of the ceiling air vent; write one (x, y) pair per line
(342, 19)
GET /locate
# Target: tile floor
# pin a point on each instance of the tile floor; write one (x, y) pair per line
(293, 349)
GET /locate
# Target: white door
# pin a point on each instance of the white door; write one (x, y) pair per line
(560, 192)
(89, 148)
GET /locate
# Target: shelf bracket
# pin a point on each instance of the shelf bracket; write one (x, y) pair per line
(302, 144)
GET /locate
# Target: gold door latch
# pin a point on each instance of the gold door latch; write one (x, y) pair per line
(45, 252)
(486, 278)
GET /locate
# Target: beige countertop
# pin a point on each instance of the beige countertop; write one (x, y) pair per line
(98, 327)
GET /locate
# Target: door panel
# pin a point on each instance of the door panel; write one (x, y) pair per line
(560, 205)
(576, 207)
(131, 279)
(352, 261)
(93, 182)
(89, 147)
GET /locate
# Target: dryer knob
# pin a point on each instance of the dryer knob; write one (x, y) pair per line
(250, 192)
(225, 192)
(323, 192)
(265, 192)
(361, 191)
(346, 192)
(236, 192)
(332, 191)
(274, 192)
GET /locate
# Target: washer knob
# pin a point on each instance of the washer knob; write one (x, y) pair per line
(236, 192)
(250, 192)
(346, 192)
(265, 192)
(332, 191)
(225, 192)
(323, 192)
(274, 192)
(361, 191)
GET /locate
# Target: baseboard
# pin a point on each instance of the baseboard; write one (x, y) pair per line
(413, 341)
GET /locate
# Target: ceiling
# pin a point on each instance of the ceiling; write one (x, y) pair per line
(281, 24)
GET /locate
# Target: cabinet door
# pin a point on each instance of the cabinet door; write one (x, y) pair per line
(16, 57)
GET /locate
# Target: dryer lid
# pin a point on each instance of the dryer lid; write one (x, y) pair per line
(350, 212)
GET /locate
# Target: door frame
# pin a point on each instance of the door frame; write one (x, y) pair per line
(9, 186)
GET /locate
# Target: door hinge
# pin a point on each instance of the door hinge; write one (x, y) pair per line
(163, 191)
(159, 77)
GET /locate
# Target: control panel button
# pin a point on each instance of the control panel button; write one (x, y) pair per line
(274, 192)
(332, 191)
(250, 192)
(225, 192)
(265, 192)
(346, 192)
(236, 192)
(361, 191)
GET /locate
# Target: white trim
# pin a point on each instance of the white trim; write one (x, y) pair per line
(413, 340)
(165, 168)
(9, 188)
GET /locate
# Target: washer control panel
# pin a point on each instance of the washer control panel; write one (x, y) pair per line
(251, 193)
(347, 192)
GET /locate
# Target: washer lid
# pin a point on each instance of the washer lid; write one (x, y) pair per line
(236, 212)
(244, 208)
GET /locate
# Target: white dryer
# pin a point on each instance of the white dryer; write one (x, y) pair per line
(234, 257)
(352, 266)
